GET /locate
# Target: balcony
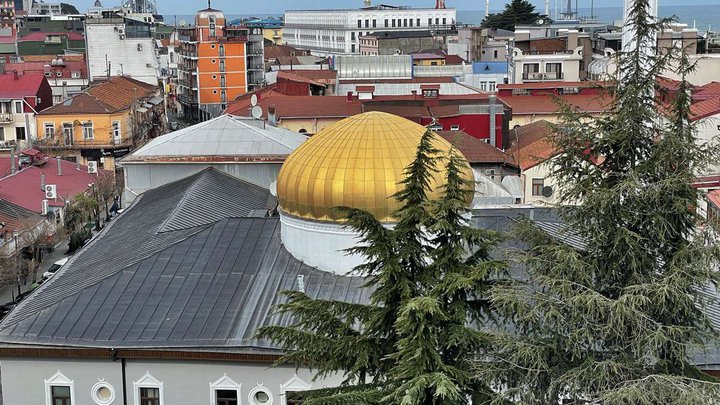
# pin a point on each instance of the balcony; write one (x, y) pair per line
(59, 143)
(187, 99)
(541, 77)
(5, 118)
(239, 38)
(191, 84)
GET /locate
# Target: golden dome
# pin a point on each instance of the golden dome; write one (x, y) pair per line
(357, 162)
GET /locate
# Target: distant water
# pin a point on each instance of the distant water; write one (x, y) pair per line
(702, 16)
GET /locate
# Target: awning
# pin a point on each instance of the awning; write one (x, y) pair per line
(156, 100)
(141, 110)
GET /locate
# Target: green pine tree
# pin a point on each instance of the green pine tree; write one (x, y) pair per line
(616, 322)
(414, 343)
(515, 13)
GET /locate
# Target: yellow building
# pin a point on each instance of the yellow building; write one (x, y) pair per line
(273, 34)
(428, 59)
(103, 123)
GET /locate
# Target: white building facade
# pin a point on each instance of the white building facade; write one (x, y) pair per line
(122, 46)
(327, 32)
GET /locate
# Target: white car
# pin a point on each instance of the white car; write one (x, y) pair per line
(55, 267)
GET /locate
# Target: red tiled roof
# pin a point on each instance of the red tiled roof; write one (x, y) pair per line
(714, 198)
(547, 104)
(41, 67)
(705, 108)
(426, 56)
(14, 217)
(40, 36)
(7, 40)
(365, 89)
(454, 60)
(533, 144)
(707, 90)
(23, 86)
(476, 150)
(400, 81)
(320, 75)
(300, 77)
(550, 85)
(113, 95)
(23, 187)
(276, 51)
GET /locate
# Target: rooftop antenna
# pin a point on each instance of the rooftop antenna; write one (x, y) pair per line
(487, 8)
(209, 7)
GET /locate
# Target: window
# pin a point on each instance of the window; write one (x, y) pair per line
(221, 49)
(359, 23)
(88, 132)
(223, 81)
(437, 21)
(293, 386)
(352, 35)
(367, 23)
(429, 21)
(537, 186)
(2, 134)
(76, 75)
(386, 22)
(393, 23)
(374, 23)
(60, 395)
(418, 22)
(223, 96)
(260, 396)
(59, 390)
(222, 65)
(117, 134)
(102, 393)
(405, 22)
(67, 130)
(49, 130)
(18, 107)
(149, 396)
(455, 127)
(148, 391)
(20, 133)
(444, 21)
(352, 48)
(495, 54)
(411, 22)
(226, 397)
(553, 71)
(58, 73)
(492, 86)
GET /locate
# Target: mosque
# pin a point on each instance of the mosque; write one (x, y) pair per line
(161, 307)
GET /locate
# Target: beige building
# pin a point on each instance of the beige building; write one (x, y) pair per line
(559, 61)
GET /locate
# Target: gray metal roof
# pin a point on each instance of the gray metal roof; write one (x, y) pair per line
(157, 276)
(373, 67)
(226, 136)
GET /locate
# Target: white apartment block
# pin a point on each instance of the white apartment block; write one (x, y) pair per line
(327, 32)
(122, 46)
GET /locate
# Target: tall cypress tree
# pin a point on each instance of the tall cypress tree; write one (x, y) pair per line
(616, 322)
(413, 343)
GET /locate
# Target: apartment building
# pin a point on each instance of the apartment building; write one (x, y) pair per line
(21, 98)
(217, 62)
(559, 58)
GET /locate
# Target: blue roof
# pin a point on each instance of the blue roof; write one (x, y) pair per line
(490, 67)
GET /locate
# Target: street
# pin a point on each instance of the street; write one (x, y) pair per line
(9, 292)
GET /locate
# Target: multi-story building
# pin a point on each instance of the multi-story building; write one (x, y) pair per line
(66, 77)
(120, 44)
(217, 62)
(400, 42)
(23, 96)
(102, 123)
(43, 8)
(327, 32)
(51, 43)
(8, 30)
(549, 59)
(50, 23)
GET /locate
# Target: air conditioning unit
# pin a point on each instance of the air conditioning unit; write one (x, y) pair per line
(51, 191)
(92, 166)
(45, 207)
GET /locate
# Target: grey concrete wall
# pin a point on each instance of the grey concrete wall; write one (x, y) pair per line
(184, 383)
(405, 45)
(142, 177)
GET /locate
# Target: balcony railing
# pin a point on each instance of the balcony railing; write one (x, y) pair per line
(537, 76)
(239, 38)
(5, 117)
(59, 142)
(187, 99)
(548, 52)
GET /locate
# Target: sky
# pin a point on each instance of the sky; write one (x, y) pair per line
(181, 7)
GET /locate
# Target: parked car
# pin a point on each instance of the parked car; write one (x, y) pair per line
(55, 267)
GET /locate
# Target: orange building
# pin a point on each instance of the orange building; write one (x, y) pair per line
(217, 62)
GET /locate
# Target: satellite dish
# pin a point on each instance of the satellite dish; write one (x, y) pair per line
(253, 100)
(257, 112)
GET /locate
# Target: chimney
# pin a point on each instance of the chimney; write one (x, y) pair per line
(349, 96)
(59, 167)
(547, 8)
(493, 130)
(272, 117)
(15, 74)
(13, 167)
(42, 181)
